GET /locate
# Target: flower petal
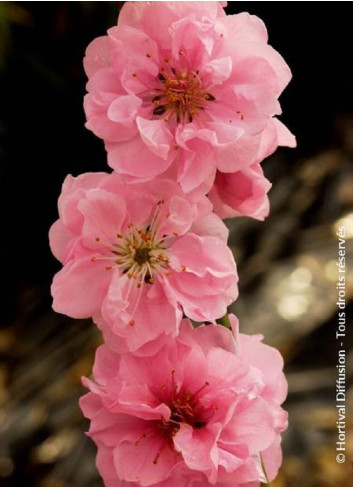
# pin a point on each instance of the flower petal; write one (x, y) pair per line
(62, 241)
(79, 288)
(147, 463)
(104, 214)
(124, 109)
(253, 425)
(134, 159)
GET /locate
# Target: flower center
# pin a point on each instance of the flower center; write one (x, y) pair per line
(185, 408)
(182, 94)
(140, 254)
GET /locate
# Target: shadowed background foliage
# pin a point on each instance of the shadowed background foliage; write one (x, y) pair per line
(286, 264)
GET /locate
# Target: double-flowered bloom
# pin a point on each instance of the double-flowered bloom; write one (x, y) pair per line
(204, 410)
(179, 87)
(136, 254)
(185, 99)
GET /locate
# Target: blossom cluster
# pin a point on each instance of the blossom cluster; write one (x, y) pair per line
(185, 99)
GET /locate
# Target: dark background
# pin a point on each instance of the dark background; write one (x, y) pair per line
(286, 264)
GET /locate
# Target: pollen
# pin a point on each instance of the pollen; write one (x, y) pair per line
(239, 112)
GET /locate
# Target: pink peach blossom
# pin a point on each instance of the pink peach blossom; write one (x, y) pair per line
(242, 193)
(179, 87)
(203, 411)
(136, 254)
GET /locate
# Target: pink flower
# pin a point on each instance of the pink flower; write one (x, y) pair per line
(136, 255)
(179, 87)
(242, 193)
(205, 410)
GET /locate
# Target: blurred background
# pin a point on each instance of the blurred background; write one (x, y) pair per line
(287, 265)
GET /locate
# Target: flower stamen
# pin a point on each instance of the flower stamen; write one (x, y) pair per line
(182, 94)
(184, 408)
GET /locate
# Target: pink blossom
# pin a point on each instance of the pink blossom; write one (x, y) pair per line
(242, 193)
(136, 254)
(179, 87)
(205, 410)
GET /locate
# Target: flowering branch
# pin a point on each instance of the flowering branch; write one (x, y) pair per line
(185, 99)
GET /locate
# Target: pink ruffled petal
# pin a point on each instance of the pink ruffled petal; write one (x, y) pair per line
(146, 464)
(104, 214)
(239, 154)
(198, 448)
(79, 288)
(272, 459)
(219, 69)
(285, 137)
(106, 364)
(105, 466)
(269, 362)
(253, 426)
(155, 136)
(62, 241)
(98, 55)
(247, 50)
(124, 109)
(244, 27)
(134, 159)
(211, 225)
(202, 255)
